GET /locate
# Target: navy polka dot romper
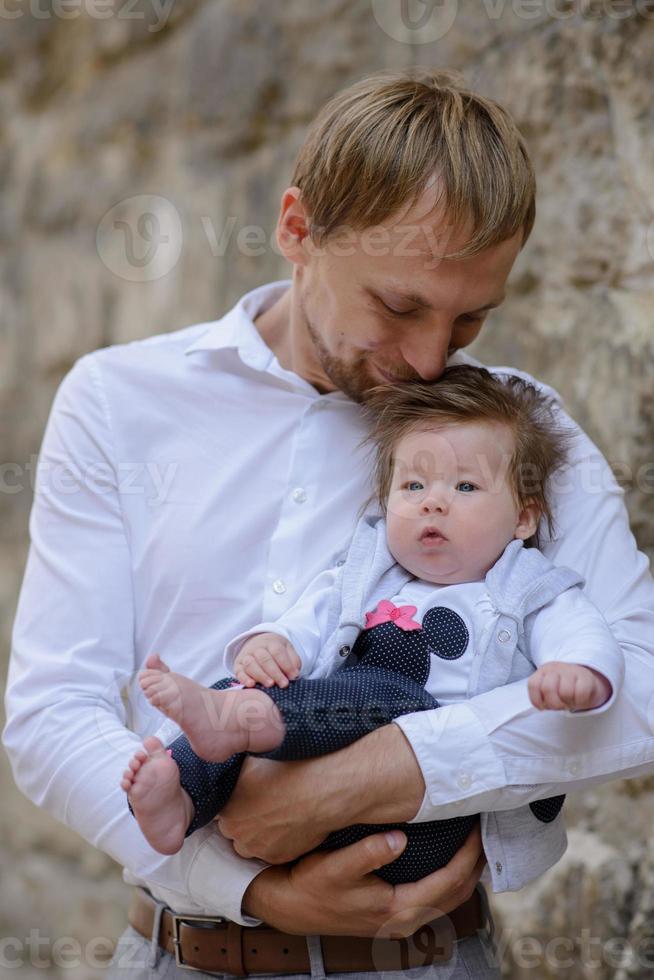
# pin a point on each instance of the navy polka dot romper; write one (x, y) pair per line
(383, 677)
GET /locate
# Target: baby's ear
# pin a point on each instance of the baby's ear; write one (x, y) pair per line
(528, 519)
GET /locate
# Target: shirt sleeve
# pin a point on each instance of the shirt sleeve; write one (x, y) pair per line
(496, 751)
(73, 657)
(572, 630)
(304, 625)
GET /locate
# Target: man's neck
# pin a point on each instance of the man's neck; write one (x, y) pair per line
(284, 331)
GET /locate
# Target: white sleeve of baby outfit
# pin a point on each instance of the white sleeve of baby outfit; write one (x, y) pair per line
(572, 630)
(304, 625)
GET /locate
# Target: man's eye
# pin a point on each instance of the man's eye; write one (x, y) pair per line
(414, 485)
(466, 487)
(393, 312)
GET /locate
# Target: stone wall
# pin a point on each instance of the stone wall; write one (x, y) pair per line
(196, 110)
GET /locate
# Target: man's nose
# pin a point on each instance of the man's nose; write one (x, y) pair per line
(425, 349)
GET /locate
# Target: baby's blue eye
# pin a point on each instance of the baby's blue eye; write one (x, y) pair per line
(414, 485)
(466, 487)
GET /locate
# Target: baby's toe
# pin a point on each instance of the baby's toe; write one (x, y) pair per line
(152, 744)
(155, 662)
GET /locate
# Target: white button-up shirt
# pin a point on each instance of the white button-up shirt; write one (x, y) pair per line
(189, 487)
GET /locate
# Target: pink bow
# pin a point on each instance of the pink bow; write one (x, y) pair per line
(386, 612)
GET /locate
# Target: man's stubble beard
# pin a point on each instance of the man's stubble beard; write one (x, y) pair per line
(353, 379)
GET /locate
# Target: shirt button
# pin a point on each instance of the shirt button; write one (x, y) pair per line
(340, 562)
(299, 495)
(504, 636)
(498, 867)
(464, 780)
(279, 587)
(344, 651)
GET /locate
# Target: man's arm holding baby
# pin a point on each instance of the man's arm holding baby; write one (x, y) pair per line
(74, 635)
(496, 751)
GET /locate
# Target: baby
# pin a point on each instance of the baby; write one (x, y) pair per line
(441, 598)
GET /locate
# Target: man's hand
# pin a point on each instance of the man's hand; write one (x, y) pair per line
(335, 893)
(281, 810)
(557, 686)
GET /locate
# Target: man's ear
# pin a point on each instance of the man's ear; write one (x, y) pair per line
(528, 519)
(293, 227)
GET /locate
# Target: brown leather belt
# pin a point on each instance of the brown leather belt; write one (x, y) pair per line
(215, 945)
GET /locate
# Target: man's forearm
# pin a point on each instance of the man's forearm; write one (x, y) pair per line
(375, 780)
(280, 810)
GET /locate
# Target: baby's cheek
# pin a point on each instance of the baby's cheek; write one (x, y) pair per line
(402, 510)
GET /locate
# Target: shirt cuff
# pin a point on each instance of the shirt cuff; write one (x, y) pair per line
(218, 878)
(455, 756)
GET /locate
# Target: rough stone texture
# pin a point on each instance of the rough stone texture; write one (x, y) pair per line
(204, 103)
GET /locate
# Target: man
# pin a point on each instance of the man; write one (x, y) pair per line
(410, 202)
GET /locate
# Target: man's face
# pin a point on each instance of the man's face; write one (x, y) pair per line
(383, 305)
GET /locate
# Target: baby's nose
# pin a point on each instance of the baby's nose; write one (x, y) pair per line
(435, 502)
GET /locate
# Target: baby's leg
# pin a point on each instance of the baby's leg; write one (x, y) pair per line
(218, 723)
(326, 714)
(163, 809)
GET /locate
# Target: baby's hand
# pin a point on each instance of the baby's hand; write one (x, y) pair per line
(558, 686)
(267, 659)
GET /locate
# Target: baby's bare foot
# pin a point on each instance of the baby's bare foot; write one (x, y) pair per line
(216, 723)
(162, 808)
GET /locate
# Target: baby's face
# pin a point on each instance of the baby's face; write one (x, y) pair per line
(451, 511)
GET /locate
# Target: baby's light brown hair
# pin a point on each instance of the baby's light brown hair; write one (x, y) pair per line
(465, 394)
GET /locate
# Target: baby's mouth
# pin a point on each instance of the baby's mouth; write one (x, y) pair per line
(432, 535)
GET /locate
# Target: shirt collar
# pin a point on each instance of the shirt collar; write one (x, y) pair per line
(236, 330)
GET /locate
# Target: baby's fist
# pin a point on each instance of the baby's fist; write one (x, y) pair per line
(560, 686)
(267, 659)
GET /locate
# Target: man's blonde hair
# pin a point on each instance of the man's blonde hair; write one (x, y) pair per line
(375, 146)
(465, 394)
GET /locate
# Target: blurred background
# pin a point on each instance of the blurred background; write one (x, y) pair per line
(143, 150)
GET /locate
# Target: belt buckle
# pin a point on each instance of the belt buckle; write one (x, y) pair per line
(177, 942)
